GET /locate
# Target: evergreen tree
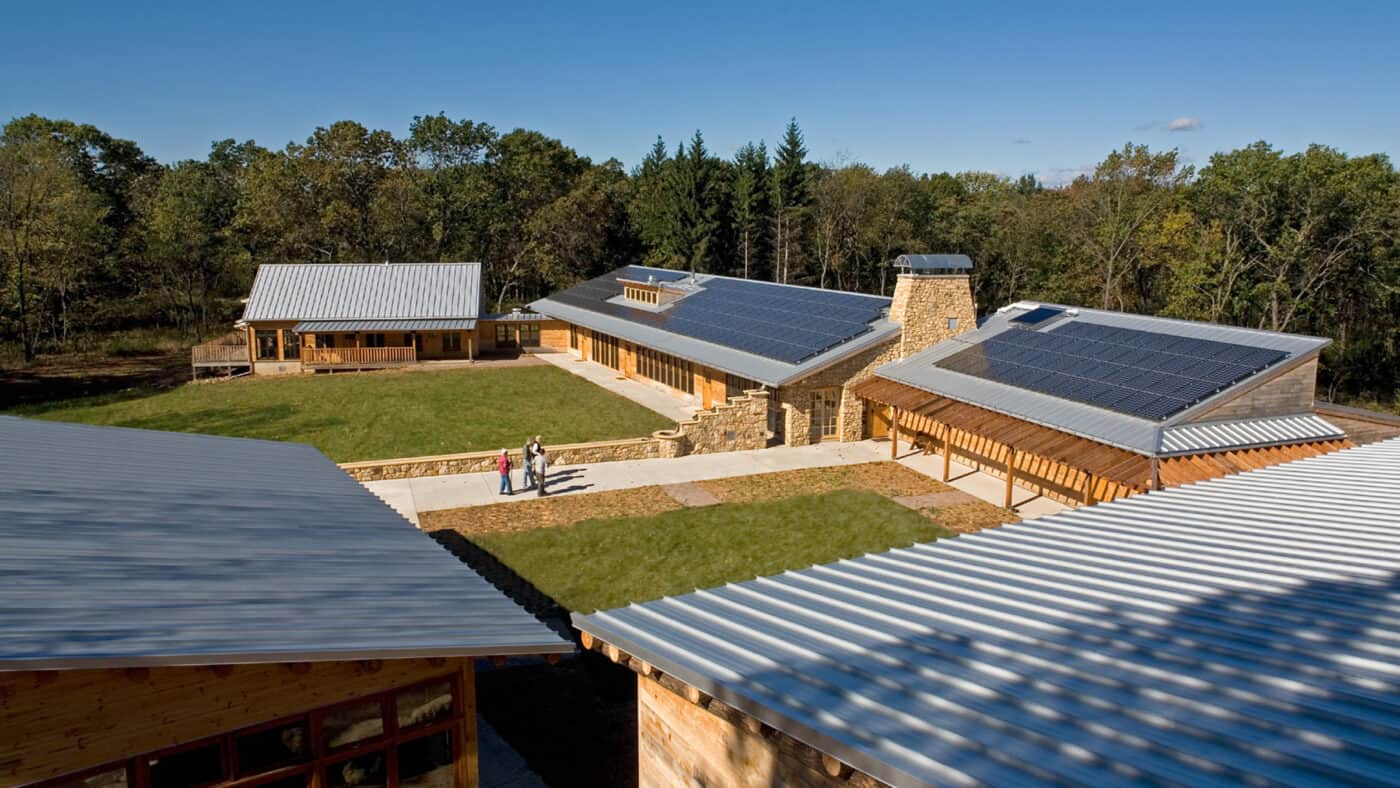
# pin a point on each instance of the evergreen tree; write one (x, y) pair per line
(649, 208)
(695, 205)
(752, 206)
(792, 176)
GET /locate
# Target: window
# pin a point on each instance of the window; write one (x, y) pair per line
(411, 730)
(573, 337)
(605, 350)
(735, 386)
(952, 324)
(325, 340)
(641, 295)
(666, 369)
(452, 342)
(504, 336)
(291, 344)
(374, 340)
(530, 334)
(267, 344)
(416, 342)
(826, 404)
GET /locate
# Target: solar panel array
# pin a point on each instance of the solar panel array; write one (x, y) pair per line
(1141, 373)
(1037, 316)
(789, 324)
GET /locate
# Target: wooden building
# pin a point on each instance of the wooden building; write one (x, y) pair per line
(1084, 405)
(184, 610)
(1238, 631)
(705, 338)
(315, 317)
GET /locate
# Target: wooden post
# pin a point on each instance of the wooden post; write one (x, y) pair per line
(1088, 489)
(947, 451)
(894, 432)
(1011, 474)
(468, 765)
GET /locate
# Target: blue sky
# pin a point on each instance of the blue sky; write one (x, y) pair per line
(1011, 88)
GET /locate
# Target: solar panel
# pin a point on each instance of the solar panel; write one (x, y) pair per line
(1037, 316)
(1146, 374)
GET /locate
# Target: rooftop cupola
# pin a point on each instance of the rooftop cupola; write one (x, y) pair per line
(932, 299)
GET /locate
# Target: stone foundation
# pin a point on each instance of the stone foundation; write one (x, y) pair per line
(737, 425)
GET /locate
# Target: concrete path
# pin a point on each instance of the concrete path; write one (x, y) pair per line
(976, 483)
(432, 493)
(690, 494)
(644, 394)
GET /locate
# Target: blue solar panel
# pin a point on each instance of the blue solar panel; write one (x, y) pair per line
(1038, 315)
(790, 324)
(1142, 373)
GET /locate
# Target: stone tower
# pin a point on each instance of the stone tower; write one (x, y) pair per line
(932, 300)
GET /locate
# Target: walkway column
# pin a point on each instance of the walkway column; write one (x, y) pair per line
(947, 451)
(894, 433)
(1011, 474)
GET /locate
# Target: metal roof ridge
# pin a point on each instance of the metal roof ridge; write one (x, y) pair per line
(1089, 310)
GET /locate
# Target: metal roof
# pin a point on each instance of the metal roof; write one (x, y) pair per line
(1243, 629)
(514, 317)
(934, 262)
(1247, 433)
(314, 326)
(631, 324)
(1117, 429)
(397, 291)
(123, 547)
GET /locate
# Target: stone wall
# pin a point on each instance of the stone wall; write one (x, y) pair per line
(737, 425)
(482, 461)
(796, 398)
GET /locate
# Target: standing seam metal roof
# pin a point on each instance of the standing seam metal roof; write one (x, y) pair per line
(397, 291)
(123, 547)
(1239, 629)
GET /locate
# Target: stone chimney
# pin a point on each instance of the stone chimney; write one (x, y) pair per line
(932, 303)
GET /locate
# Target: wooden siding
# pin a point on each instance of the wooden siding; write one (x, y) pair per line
(554, 334)
(57, 722)
(1282, 395)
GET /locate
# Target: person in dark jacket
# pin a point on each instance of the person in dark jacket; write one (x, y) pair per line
(527, 463)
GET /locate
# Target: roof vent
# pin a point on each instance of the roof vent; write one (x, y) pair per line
(515, 310)
(651, 279)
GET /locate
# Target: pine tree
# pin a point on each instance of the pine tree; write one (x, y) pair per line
(649, 208)
(752, 205)
(695, 224)
(792, 177)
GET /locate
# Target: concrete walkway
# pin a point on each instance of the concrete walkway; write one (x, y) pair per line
(646, 395)
(432, 493)
(981, 485)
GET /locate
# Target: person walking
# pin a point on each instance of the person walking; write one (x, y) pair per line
(527, 462)
(503, 465)
(541, 464)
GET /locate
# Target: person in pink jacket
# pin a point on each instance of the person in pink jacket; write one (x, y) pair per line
(503, 465)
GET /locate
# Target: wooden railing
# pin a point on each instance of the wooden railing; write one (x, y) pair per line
(231, 349)
(359, 357)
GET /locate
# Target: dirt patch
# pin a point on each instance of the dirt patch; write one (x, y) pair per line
(889, 479)
(545, 512)
(966, 518)
(57, 378)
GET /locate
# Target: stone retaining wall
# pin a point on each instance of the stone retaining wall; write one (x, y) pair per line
(736, 425)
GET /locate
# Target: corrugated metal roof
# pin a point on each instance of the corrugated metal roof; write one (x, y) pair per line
(934, 262)
(1116, 429)
(1239, 629)
(314, 326)
(123, 547)
(330, 291)
(768, 371)
(1246, 433)
(514, 317)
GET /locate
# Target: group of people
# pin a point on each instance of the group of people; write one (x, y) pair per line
(534, 462)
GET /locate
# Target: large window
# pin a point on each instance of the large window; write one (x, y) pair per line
(267, 344)
(643, 295)
(374, 340)
(530, 334)
(826, 403)
(406, 737)
(325, 340)
(452, 342)
(573, 337)
(605, 350)
(504, 336)
(735, 386)
(291, 344)
(667, 369)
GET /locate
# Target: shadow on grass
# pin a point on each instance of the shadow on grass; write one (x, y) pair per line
(107, 379)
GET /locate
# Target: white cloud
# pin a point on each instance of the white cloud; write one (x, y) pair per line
(1184, 124)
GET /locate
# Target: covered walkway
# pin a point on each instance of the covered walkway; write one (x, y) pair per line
(650, 397)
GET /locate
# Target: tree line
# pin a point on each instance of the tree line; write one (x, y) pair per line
(96, 236)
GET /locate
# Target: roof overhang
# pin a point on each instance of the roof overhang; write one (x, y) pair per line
(436, 324)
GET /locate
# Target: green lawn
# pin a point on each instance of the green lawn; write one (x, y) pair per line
(600, 564)
(371, 416)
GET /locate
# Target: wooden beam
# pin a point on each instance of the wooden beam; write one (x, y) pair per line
(947, 451)
(894, 432)
(468, 765)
